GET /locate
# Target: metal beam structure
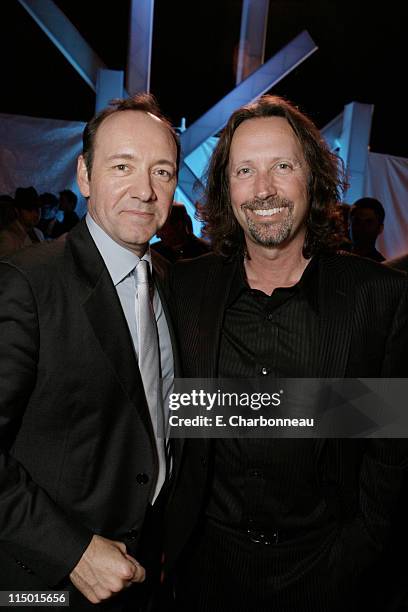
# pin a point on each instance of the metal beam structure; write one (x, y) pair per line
(109, 85)
(140, 46)
(189, 183)
(332, 133)
(260, 81)
(355, 140)
(263, 79)
(250, 56)
(66, 38)
(251, 52)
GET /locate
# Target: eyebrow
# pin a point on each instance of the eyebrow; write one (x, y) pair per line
(166, 161)
(120, 156)
(241, 161)
(129, 156)
(274, 159)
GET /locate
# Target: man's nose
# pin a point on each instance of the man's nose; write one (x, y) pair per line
(142, 188)
(264, 185)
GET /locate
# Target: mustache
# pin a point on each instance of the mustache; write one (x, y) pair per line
(265, 204)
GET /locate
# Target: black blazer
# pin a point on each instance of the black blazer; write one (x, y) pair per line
(363, 320)
(77, 449)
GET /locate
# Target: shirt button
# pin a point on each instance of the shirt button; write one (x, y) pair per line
(142, 479)
(256, 474)
(264, 371)
(269, 316)
(132, 534)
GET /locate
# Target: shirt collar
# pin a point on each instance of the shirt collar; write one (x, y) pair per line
(119, 261)
(308, 284)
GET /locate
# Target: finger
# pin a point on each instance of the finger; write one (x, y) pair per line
(101, 593)
(139, 572)
(121, 546)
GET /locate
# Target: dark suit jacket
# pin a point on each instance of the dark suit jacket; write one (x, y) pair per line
(77, 449)
(363, 315)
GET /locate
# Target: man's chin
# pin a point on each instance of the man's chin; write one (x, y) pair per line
(268, 239)
(136, 241)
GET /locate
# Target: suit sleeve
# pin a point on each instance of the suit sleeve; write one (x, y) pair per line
(33, 529)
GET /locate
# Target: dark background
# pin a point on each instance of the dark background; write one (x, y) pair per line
(361, 58)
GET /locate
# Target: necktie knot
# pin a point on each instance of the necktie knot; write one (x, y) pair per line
(143, 278)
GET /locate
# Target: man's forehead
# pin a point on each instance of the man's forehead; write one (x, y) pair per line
(130, 116)
(133, 126)
(260, 124)
(261, 128)
(261, 135)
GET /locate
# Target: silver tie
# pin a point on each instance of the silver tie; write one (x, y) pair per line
(149, 363)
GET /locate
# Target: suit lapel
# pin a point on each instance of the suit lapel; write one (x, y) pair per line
(336, 306)
(336, 299)
(104, 312)
(216, 288)
(161, 273)
(212, 307)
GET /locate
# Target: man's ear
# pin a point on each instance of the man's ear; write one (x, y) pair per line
(82, 177)
(381, 229)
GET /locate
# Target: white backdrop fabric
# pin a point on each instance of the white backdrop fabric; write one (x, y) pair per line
(39, 152)
(387, 180)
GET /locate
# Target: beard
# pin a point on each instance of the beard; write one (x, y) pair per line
(274, 233)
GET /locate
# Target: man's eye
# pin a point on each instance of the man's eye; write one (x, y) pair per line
(283, 168)
(162, 172)
(121, 167)
(243, 171)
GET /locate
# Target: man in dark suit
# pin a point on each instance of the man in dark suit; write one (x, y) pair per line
(279, 524)
(82, 468)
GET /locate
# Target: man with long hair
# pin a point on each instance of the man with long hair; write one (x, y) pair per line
(282, 524)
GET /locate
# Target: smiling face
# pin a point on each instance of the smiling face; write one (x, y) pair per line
(268, 178)
(133, 177)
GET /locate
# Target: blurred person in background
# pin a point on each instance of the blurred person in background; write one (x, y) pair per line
(177, 240)
(22, 219)
(366, 224)
(67, 204)
(49, 210)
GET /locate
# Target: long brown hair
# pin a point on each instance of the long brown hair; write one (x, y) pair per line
(326, 182)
